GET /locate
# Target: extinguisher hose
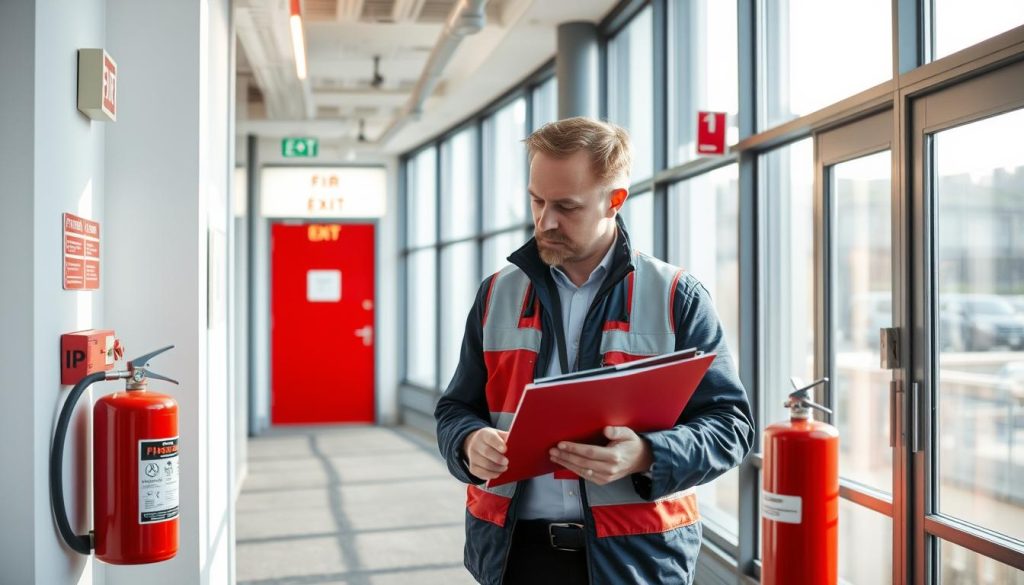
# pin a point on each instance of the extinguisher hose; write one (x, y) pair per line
(81, 543)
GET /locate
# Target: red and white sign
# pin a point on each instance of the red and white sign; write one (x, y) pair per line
(81, 253)
(711, 133)
(109, 86)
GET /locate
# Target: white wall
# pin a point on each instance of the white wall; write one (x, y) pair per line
(157, 181)
(168, 183)
(51, 161)
(386, 303)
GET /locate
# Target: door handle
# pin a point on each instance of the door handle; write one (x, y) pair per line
(365, 332)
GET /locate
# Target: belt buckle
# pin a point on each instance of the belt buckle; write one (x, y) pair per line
(551, 534)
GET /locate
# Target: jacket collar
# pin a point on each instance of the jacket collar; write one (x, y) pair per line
(527, 258)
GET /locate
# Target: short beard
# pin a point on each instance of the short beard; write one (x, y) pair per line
(559, 255)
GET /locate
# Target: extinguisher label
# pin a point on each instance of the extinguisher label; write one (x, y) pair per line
(781, 508)
(158, 480)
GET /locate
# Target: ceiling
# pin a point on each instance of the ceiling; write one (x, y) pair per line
(339, 101)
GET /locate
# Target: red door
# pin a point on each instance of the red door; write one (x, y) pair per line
(322, 323)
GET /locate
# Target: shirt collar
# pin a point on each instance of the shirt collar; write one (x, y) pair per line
(563, 280)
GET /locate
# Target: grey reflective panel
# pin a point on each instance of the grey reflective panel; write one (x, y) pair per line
(506, 300)
(504, 490)
(622, 492)
(650, 330)
(502, 420)
(509, 339)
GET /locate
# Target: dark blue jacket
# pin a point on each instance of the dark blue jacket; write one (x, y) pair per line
(713, 434)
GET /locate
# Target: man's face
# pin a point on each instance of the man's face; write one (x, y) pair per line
(571, 210)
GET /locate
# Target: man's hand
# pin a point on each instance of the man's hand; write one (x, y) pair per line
(627, 453)
(484, 450)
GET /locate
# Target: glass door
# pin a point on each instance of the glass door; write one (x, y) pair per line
(855, 300)
(967, 416)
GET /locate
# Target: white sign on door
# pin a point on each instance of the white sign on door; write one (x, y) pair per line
(323, 286)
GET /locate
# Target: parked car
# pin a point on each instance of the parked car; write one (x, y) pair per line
(979, 322)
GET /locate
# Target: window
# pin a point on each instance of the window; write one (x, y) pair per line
(631, 89)
(421, 174)
(702, 71)
(459, 283)
(499, 247)
(505, 200)
(545, 103)
(421, 320)
(817, 52)
(959, 24)
(978, 173)
(458, 186)
(787, 175)
(703, 238)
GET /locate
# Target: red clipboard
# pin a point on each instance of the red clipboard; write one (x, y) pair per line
(644, 396)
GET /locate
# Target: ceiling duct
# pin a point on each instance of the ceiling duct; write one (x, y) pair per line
(466, 18)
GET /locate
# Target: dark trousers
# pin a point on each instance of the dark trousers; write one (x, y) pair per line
(533, 560)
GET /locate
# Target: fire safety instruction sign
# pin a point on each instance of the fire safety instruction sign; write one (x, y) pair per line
(81, 253)
(158, 480)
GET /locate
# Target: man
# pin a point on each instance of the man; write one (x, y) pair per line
(577, 297)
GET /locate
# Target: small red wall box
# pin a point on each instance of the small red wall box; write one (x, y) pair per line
(86, 352)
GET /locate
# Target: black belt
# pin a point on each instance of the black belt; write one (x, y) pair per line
(567, 536)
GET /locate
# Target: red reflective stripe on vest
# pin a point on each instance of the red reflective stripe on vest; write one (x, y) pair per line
(672, 301)
(534, 321)
(614, 358)
(487, 301)
(507, 373)
(646, 517)
(487, 506)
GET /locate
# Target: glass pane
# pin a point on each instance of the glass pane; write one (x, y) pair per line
(702, 71)
(961, 566)
(861, 192)
(786, 183)
(719, 502)
(638, 214)
(421, 318)
(545, 103)
(459, 284)
(458, 186)
(422, 197)
(703, 238)
(505, 202)
(865, 545)
(631, 89)
(817, 52)
(978, 179)
(498, 248)
(962, 23)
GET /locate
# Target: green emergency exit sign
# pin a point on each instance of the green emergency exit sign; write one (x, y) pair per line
(299, 147)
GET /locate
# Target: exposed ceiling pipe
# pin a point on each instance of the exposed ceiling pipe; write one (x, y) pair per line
(466, 18)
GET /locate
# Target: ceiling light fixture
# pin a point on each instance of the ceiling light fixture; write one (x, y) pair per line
(298, 41)
(378, 79)
(362, 134)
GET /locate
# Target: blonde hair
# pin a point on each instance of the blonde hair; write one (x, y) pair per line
(605, 143)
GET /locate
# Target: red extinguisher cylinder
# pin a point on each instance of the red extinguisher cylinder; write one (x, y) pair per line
(135, 477)
(800, 503)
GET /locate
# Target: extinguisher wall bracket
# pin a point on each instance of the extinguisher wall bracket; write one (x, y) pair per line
(800, 402)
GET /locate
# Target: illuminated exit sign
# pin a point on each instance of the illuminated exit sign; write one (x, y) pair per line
(299, 147)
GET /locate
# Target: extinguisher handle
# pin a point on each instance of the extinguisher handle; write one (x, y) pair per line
(81, 543)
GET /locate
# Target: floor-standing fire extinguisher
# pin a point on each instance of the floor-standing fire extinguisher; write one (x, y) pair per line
(135, 469)
(800, 496)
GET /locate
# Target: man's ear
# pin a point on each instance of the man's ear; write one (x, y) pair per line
(618, 198)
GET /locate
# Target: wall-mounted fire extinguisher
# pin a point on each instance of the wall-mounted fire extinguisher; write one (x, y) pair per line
(135, 469)
(800, 496)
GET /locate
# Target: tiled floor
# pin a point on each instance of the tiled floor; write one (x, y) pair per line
(353, 505)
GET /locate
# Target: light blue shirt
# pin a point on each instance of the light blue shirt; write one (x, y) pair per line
(545, 496)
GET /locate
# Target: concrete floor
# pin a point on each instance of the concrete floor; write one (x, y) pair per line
(353, 505)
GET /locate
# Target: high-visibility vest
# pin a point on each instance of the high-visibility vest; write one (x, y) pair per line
(511, 343)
